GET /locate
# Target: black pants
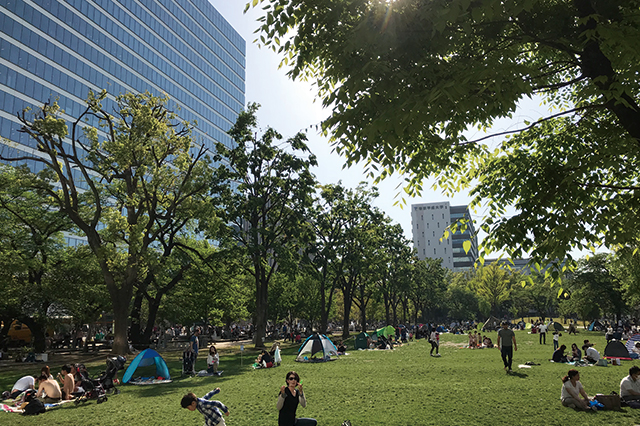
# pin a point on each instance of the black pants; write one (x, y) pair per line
(507, 355)
(434, 345)
(543, 338)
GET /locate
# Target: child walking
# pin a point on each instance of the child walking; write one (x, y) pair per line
(209, 409)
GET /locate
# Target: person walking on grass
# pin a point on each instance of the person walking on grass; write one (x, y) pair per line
(542, 333)
(211, 410)
(507, 344)
(435, 341)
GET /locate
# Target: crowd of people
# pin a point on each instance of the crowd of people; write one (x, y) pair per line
(64, 386)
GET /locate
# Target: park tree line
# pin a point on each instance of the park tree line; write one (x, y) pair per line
(177, 233)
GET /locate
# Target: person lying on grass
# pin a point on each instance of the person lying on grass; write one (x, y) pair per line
(209, 409)
(572, 390)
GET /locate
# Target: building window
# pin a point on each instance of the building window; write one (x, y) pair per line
(438, 224)
(443, 215)
(432, 217)
(421, 217)
(424, 251)
(427, 225)
(434, 251)
(418, 243)
(434, 233)
(445, 250)
(428, 242)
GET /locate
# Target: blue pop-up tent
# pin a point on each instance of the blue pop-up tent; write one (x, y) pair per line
(144, 359)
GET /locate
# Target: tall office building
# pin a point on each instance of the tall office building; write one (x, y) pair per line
(428, 223)
(61, 49)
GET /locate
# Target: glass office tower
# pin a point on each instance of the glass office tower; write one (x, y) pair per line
(60, 49)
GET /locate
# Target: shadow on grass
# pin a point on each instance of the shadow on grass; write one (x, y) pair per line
(518, 374)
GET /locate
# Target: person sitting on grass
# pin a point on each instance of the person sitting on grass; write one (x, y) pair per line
(23, 384)
(68, 382)
(630, 385)
(48, 390)
(211, 410)
(576, 354)
(558, 354)
(572, 390)
(264, 359)
(213, 360)
(591, 355)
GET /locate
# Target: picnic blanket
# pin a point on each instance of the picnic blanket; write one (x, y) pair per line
(148, 381)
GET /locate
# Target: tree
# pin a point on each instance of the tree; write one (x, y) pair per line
(32, 251)
(395, 268)
(594, 291)
(406, 80)
(265, 211)
(627, 267)
(461, 300)
(124, 180)
(492, 284)
(428, 287)
(327, 216)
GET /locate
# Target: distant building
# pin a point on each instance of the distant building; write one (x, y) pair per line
(515, 264)
(428, 223)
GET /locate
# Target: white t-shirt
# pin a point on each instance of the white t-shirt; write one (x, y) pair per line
(24, 383)
(592, 353)
(567, 386)
(542, 328)
(627, 384)
(213, 359)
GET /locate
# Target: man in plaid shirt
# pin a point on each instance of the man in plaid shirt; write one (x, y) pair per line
(209, 409)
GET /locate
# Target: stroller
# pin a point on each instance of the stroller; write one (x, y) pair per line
(98, 388)
(188, 361)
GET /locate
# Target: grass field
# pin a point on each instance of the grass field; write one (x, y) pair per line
(393, 388)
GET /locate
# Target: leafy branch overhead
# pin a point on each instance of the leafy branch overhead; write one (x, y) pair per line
(407, 81)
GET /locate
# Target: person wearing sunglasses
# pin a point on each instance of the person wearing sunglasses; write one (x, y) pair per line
(289, 397)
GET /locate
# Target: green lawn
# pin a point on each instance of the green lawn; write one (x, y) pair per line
(392, 388)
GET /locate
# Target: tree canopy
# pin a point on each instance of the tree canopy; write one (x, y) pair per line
(406, 80)
(132, 182)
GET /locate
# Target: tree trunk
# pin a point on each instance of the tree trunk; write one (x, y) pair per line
(154, 306)
(38, 330)
(348, 301)
(121, 300)
(136, 311)
(262, 306)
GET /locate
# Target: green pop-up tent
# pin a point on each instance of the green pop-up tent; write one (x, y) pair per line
(362, 341)
(386, 331)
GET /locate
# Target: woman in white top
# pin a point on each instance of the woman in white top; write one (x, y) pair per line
(572, 390)
(213, 360)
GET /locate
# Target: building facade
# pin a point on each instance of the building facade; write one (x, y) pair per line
(59, 50)
(429, 222)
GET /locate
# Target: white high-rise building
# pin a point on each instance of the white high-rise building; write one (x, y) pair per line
(428, 223)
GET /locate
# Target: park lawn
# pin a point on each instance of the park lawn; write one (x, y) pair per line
(392, 388)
